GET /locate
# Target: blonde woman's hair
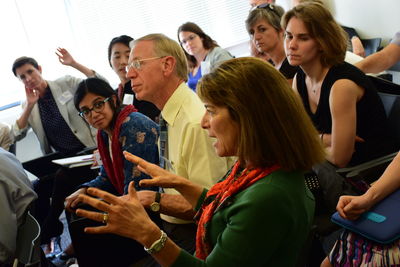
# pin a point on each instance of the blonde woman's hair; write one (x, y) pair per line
(271, 14)
(274, 126)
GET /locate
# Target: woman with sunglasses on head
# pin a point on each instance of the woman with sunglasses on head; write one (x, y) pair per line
(120, 128)
(202, 52)
(260, 213)
(264, 27)
(118, 55)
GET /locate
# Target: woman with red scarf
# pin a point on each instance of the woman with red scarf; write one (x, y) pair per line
(260, 213)
(120, 128)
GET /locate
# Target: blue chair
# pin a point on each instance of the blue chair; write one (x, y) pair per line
(372, 45)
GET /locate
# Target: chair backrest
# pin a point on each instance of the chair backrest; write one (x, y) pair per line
(371, 45)
(390, 95)
(28, 241)
(391, 104)
(385, 86)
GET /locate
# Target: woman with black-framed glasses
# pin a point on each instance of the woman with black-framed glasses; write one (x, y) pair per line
(120, 128)
(264, 28)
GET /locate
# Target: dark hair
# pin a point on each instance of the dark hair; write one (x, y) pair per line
(98, 87)
(208, 43)
(123, 39)
(22, 61)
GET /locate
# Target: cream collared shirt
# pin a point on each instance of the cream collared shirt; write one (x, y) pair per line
(190, 150)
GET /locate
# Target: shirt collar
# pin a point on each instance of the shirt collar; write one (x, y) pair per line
(174, 104)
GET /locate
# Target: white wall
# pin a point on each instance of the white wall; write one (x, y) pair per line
(371, 18)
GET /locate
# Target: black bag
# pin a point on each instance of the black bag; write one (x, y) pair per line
(327, 186)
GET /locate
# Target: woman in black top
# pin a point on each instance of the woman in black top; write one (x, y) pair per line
(264, 28)
(340, 99)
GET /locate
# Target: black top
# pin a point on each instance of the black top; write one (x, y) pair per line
(371, 118)
(288, 70)
(144, 107)
(58, 133)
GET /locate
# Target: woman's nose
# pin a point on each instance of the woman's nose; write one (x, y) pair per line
(204, 121)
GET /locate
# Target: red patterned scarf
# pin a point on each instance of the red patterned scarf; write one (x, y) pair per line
(114, 167)
(237, 181)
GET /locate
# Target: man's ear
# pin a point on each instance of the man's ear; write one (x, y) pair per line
(168, 66)
(40, 69)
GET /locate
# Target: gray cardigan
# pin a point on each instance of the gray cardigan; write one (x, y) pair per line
(213, 58)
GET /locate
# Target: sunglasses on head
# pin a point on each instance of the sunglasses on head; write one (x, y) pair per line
(268, 7)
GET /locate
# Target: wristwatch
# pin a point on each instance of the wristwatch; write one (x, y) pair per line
(155, 206)
(158, 244)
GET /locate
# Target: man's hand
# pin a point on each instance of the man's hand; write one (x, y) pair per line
(65, 57)
(32, 96)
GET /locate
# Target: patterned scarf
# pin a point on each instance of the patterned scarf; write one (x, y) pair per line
(115, 167)
(219, 196)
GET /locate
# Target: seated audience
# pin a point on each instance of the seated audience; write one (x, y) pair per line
(16, 197)
(118, 55)
(369, 253)
(267, 179)
(120, 128)
(50, 112)
(264, 26)
(202, 52)
(382, 60)
(6, 139)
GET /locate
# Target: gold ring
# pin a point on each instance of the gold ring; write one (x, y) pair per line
(105, 218)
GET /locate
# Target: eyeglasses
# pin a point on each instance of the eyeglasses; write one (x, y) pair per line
(97, 106)
(190, 38)
(137, 63)
(268, 7)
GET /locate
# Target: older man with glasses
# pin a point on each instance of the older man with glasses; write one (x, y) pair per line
(158, 71)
